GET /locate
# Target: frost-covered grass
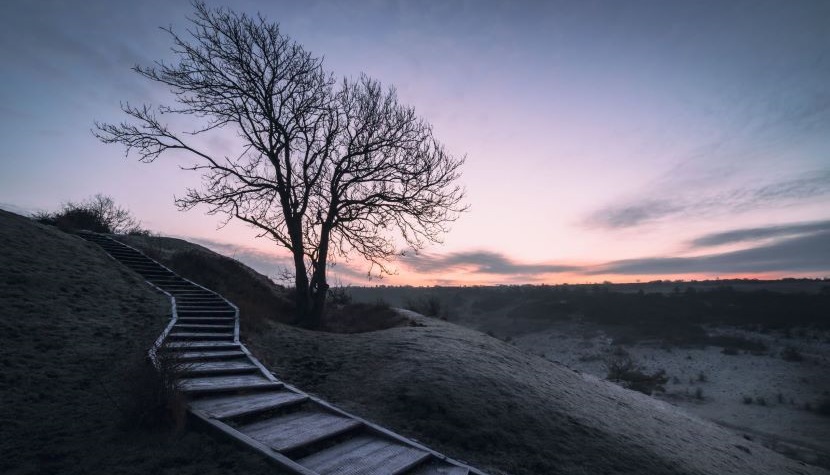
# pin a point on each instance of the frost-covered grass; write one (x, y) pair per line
(487, 402)
(762, 394)
(74, 328)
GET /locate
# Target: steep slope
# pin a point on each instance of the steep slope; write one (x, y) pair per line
(486, 402)
(74, 329)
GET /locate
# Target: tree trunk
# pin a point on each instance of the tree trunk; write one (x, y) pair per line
(319, 285)
(301, 290)
(319, 291)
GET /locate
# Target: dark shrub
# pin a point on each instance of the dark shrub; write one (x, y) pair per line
(429, 306)
(98, 214)
(338, 296)
(624, 371)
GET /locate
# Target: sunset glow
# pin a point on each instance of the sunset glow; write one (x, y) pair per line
(605, 141)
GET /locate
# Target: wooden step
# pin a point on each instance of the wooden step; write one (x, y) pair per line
(184, 300)
(201, 345)
(185, 305)
(297, 429)
(244, 404)
(191, 309)
(365, 455)
(209, 355)
(223, 384)
(218, 367)
(209, 312)
(207, 320)
(200, 336)
(203, 327)
(205, 313)
(202, 299)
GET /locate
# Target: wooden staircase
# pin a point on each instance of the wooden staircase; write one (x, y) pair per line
(231, 391)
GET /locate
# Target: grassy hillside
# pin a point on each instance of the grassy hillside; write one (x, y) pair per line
(486, 402)
(74, 328)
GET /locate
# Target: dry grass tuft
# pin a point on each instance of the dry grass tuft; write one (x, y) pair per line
(155, 402)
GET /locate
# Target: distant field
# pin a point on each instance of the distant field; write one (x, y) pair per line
(669, 311)
(753, 356)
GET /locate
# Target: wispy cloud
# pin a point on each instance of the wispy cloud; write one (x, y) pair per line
(650, 208)
(797, 249)
(808, 253)
(761, 233)
(484, 262)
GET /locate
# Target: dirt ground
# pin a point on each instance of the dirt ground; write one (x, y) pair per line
(74, 329)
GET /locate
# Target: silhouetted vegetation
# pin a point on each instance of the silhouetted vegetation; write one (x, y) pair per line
(98, 214)
(623, 370)
(325, 168)
(428, 305)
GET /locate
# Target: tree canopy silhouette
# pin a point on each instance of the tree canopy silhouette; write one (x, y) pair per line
(326, 168)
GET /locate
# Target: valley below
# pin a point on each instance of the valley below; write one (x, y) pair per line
(742, 362)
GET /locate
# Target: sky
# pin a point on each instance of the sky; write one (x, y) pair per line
(620, 141)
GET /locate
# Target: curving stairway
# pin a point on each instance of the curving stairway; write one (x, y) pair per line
(230, 390)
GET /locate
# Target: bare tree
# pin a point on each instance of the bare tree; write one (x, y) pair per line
(327, 168)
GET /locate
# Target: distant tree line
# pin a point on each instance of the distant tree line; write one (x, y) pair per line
(672, 316)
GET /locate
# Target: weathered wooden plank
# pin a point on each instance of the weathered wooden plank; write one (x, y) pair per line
(276, 457)
(218, 367)
(200, 336)
(184, 305)
(226, 383)
(242, 404)
(208, 321)
(208, 355)
(201, 345)
(185, 300)
(207, 312)
(298, 429)
(366, 455)
(203, 327)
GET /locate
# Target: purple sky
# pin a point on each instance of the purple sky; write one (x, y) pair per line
(605, 140)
